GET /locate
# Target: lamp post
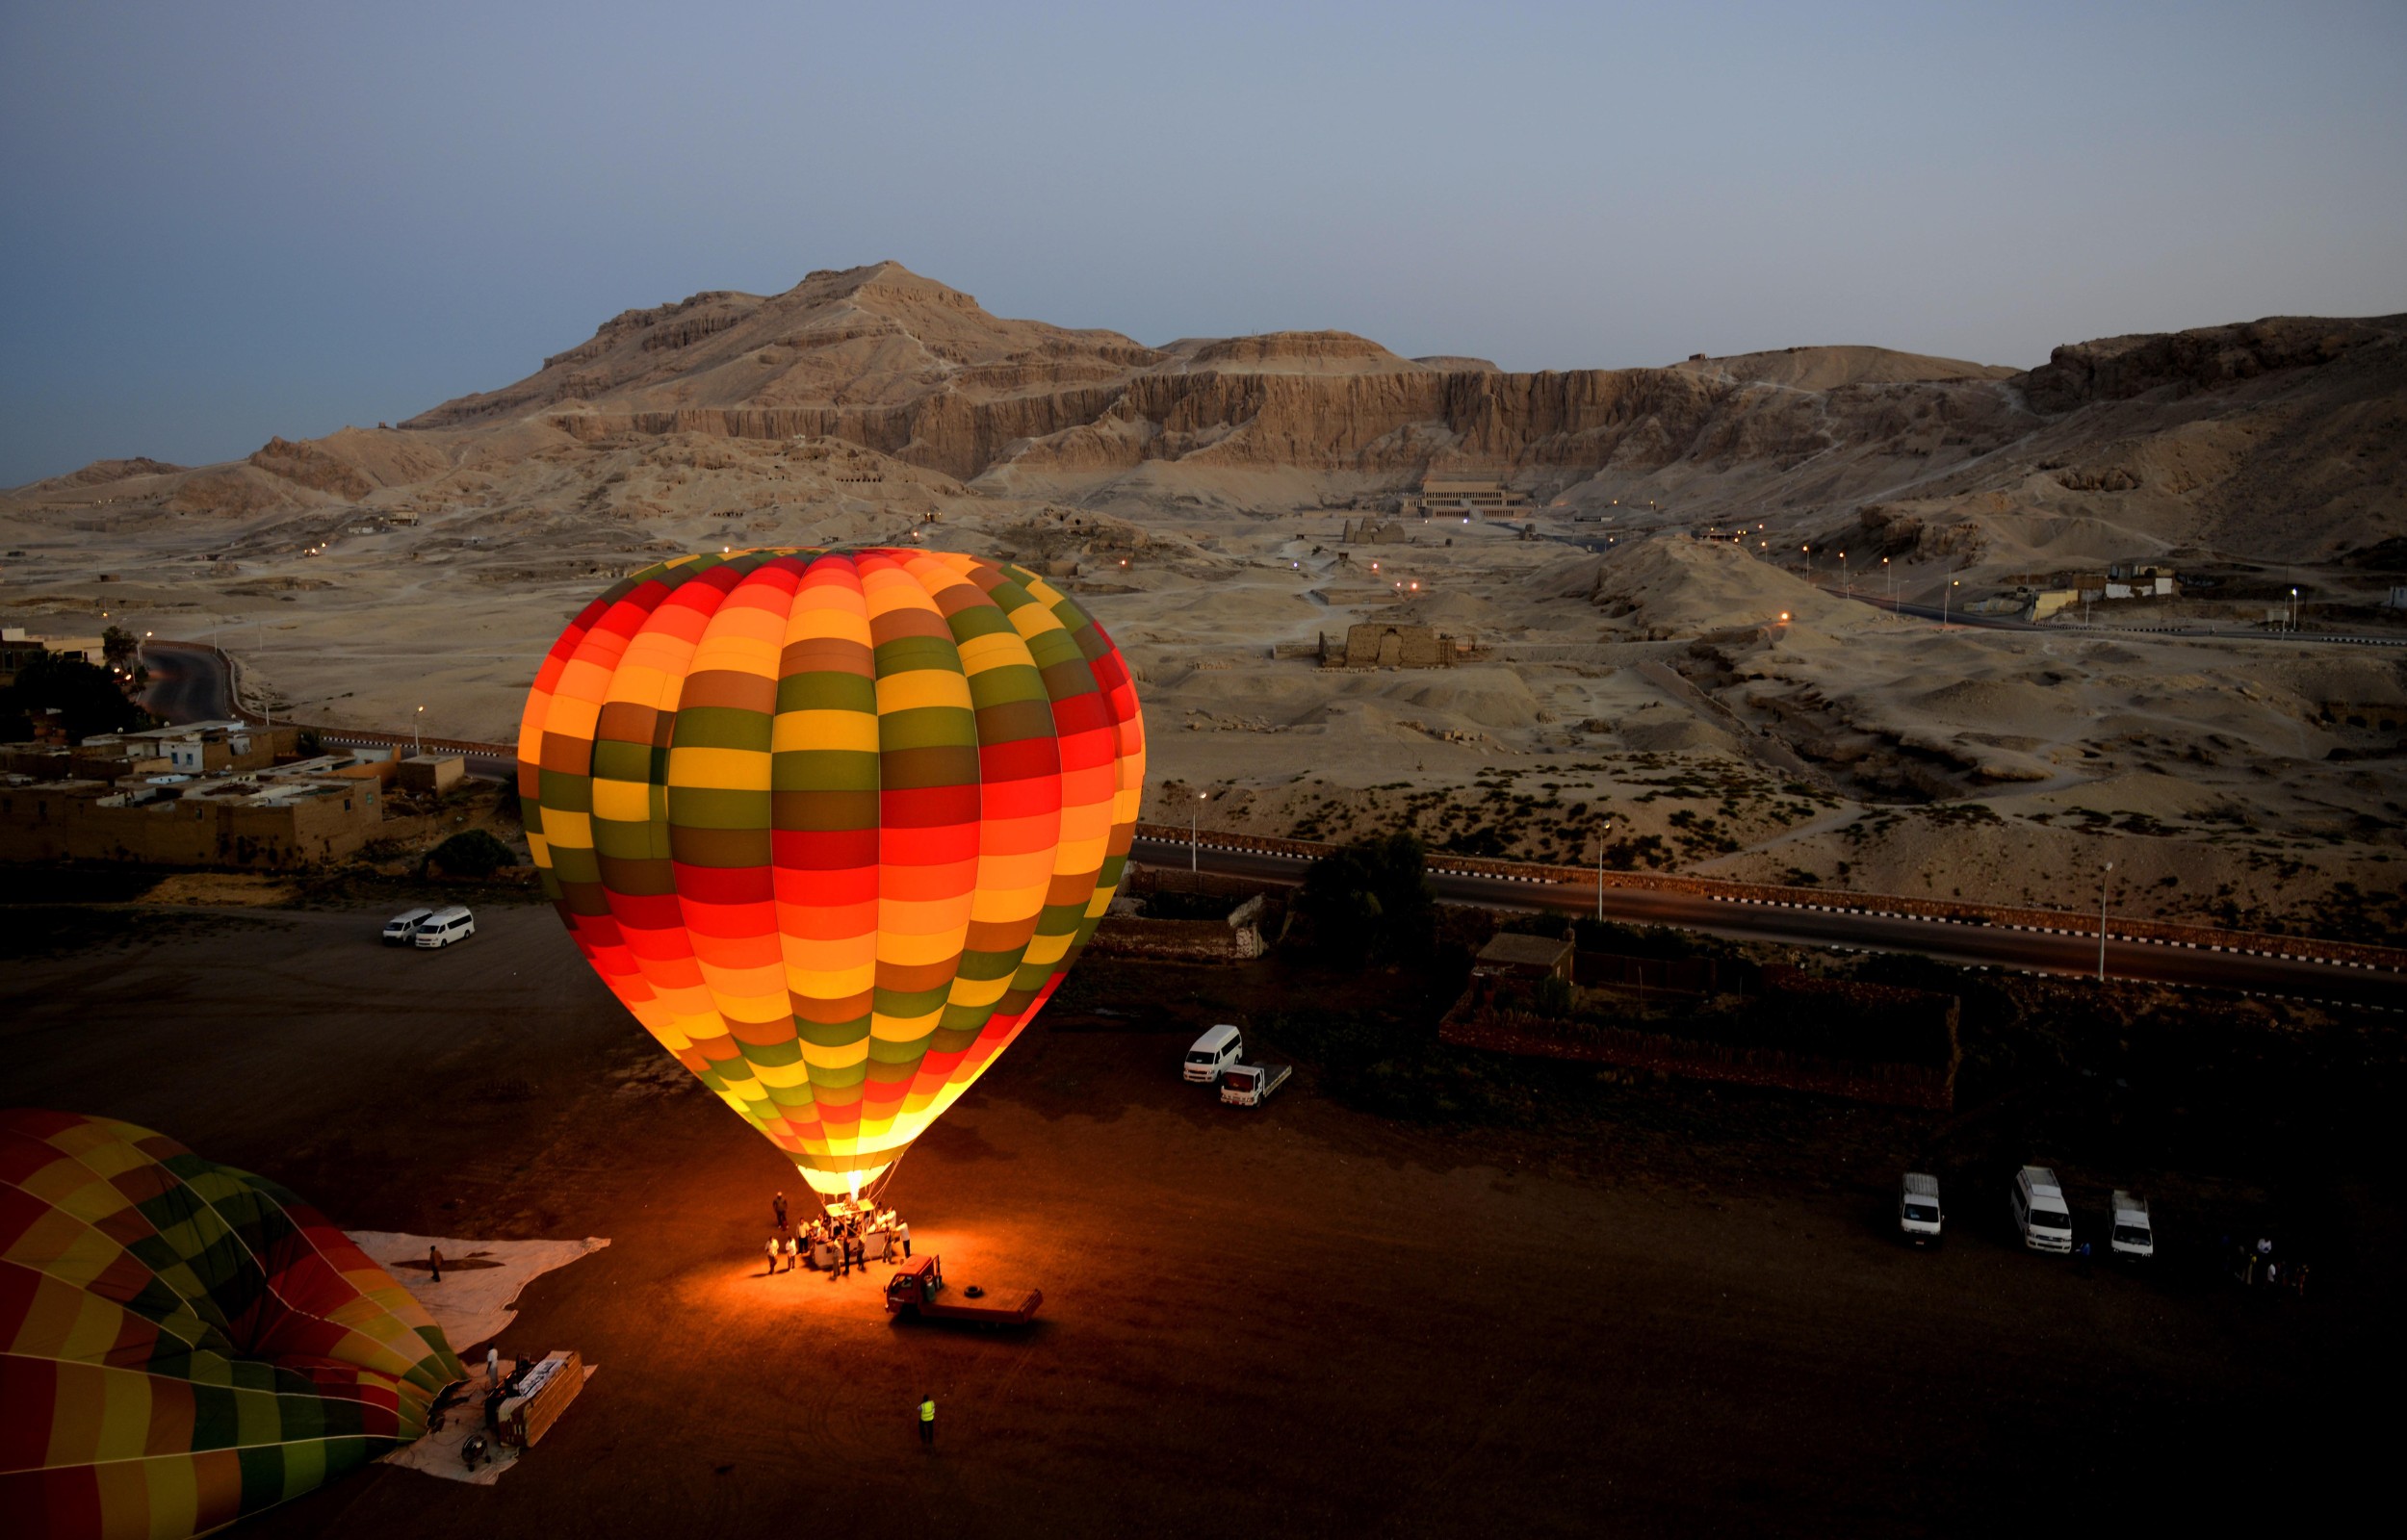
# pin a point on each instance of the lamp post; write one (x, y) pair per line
(2104, 872)
(2293, 609)
(415, 718)
(1944, 595)
(1809, 562)
(1600, 870)
(1195, 819)
(1892, 574)
(1847, 584)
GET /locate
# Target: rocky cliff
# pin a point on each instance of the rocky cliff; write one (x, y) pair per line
(2287, 437)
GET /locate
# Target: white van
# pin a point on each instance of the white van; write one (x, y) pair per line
(2132, 1235)
(401, 926)
(445, 926)
(1213, 1052)
(1918, 1216)
(2039, 1212)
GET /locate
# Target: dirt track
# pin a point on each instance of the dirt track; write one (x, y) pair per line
(1299, 1320)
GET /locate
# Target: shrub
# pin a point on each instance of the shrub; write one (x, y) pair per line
(470, 853)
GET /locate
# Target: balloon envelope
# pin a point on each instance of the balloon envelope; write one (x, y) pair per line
(185, 1343)
(833, 825)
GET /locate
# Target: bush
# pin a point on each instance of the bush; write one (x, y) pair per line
(88, 698)
(1368, 900)
(470, 853)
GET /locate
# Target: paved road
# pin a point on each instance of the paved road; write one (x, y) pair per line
(188, 683)
(1975, 945)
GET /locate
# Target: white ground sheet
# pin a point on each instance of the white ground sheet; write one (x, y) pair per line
(481, 1282)
(481, 1279)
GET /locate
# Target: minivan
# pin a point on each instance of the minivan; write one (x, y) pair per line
(399, 930)
(1918, 1216)
(1213, 1052)
(445, 926)
(2039, 1212)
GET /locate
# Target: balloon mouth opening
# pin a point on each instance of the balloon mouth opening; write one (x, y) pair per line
(851, 1184)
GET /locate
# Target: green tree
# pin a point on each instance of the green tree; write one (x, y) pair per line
(472, 852)
(120, 646)
(1369, 900)
(85, 696)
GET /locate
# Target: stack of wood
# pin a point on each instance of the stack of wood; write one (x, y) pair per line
(542, 1395)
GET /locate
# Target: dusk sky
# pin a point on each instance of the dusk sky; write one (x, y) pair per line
(227, 222)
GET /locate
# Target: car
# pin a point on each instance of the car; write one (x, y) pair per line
(445, 926)
(399, 930)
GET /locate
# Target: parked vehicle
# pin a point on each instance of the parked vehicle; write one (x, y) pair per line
(2039, 1212)
(1251, 1085)
(1213, 1052)
(2132, 1235)
(1918, 1216)
(917, 1289)
(401, 926)
(445, 926)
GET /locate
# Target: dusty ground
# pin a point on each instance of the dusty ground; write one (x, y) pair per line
(1291, 1321)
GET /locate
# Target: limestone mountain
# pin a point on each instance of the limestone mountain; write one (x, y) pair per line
(2282, 439)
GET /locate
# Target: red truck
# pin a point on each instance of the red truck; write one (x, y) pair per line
(917, 1289)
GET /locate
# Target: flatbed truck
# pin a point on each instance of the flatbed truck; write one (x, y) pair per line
(917, 1289)
(1251, 1085)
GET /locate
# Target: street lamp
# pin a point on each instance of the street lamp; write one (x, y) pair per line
(1892, 575)
(1845, 585)
(2293, 609)
(1809, 562)
(1600, 870)
(1195, 819)
(2103, 873)
(414, 722)
(1944, 595)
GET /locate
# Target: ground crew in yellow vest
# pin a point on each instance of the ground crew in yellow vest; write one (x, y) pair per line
(928, 1421)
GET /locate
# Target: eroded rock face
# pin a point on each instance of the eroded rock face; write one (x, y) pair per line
(2119, 368)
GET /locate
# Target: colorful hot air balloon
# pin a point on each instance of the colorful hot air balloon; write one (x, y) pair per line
(181, 1343)
(833, 825)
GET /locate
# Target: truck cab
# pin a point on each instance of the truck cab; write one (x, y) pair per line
(1213, 1052)
(2132, 1235)
(1918, 1216)
(1251, 1085)
(2040, 1216)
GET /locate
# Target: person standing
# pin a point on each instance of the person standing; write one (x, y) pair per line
(772, 1253)
(928, 1421)
(434, 1261)
(778, 1205)
(492, 1368)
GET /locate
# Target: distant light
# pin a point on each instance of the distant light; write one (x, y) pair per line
(1784, 616)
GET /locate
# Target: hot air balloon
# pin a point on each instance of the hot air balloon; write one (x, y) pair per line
(832, 824)
(184, 1343)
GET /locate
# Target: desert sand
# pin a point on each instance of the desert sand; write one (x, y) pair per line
(1626, 653)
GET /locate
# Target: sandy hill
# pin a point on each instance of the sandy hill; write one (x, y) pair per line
(1824, 369)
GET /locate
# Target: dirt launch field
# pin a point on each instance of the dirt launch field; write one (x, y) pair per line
(1297, 1320)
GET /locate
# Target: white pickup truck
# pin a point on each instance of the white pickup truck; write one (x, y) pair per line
(1251, 1085)
(2132, 1235)
(1918, 1216)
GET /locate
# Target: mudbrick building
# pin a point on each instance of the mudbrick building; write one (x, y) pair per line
(1375, 645)
(233, 821)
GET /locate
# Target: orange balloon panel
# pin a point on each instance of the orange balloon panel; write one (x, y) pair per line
(833, 824)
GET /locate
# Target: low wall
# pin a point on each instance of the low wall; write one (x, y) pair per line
(1951, 911)
(1174, 940)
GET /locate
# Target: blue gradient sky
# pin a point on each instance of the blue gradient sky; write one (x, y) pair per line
(228, 220)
